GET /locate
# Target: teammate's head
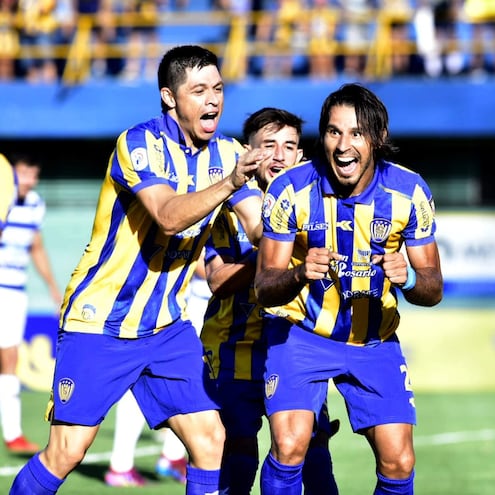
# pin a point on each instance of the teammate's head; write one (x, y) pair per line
(277, 131)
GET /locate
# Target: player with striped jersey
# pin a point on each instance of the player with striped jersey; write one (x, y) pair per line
(329, 267)
(21, 243)
(122, 325)
(232, 330)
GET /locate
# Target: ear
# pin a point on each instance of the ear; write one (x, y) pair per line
(299, 156)
(167, 97)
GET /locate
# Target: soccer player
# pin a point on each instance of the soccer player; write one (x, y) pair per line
(329, 269)
(122, 323)
(8, 190)
(21, 242)
(232, 331)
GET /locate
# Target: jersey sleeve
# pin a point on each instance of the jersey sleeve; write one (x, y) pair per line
(136, 162)
(421, 227)
(278, 215)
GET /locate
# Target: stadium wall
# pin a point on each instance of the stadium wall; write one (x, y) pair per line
(418, 106)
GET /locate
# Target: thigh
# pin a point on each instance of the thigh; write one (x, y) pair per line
(203, 435)
(377, 389)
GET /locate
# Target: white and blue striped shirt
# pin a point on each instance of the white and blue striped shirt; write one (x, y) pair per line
(23, 222)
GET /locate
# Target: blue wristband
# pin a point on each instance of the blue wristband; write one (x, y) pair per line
(411, 279)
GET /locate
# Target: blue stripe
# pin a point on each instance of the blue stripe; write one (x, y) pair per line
(119, 209)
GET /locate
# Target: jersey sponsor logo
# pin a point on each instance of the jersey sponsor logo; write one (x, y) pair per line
(88, 312)
(268, 204)
(65, 389)
(425, 216)
(315, 226)
(360, 294)
(139, 159)
(342, 270)
(380, 229)
(271, 384)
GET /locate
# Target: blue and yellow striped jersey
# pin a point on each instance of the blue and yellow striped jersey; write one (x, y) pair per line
(355, 303)
(8, 191)
(232, 327)
(132, 278)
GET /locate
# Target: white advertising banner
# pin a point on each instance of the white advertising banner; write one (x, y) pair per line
(467, 245)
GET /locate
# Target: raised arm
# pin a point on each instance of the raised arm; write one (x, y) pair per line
(176, 212)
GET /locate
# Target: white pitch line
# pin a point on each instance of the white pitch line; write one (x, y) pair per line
(455, 437)
(437, 439)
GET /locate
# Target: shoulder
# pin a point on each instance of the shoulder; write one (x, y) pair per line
(151, 126)
(298, 176)
(33, 198)
(398, 177)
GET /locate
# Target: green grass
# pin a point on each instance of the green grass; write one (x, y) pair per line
(455, 449)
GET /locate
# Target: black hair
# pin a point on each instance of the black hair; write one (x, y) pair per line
(274, 116)
(371, 115)
(174, 64)
(27, 158)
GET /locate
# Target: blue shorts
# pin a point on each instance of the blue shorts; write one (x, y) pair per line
(166, 373)
(373, 379)
(243, 408)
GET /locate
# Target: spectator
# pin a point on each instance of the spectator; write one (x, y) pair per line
(9, 40)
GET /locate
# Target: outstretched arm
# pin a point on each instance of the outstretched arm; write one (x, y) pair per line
(176, 212)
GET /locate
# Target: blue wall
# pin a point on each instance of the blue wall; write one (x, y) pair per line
(417, 107)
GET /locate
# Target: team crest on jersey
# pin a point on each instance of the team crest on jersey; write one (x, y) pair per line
(215, 174)
(139, 159)
(380, 229)
(88, 312)
(65, 389)
(271, 384)
(268, 204)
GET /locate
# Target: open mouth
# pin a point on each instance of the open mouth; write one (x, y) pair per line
(346, 165)
(209, 121)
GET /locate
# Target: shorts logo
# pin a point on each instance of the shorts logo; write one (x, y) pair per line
(380, 229)
(65, 389)
(271, 386)
(139, 159)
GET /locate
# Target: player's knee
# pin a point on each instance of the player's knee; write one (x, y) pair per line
(289, 449)
(400, 467)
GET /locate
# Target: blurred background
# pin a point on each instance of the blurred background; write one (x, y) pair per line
(75, 73)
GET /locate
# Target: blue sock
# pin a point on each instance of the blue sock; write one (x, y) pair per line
(387, 486)
(317, 473)
(202, 482)
(280, 479)
(35, 479)
(241, 470)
